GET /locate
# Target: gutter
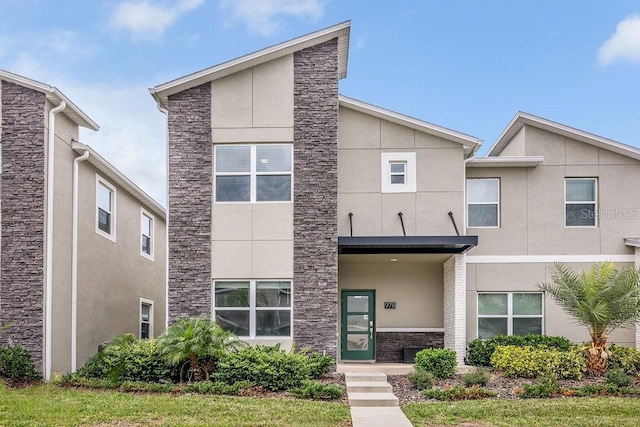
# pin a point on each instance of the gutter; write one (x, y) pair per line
(49, 239)
(471, 157)
(74, 258)
(166, 220)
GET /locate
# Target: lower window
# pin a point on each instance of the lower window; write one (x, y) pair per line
(146, 318)
(254, 308)
(511, 313)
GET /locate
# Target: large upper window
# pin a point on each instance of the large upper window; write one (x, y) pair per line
(146, 234)
(580, 202)
(253, 173)
(483, 202)
(105, 209)
(254, 308)
(512, 313)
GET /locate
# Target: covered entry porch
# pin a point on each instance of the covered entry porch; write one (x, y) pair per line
(401, 294)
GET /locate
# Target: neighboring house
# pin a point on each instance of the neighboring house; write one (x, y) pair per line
(83, 248)
(303, 217)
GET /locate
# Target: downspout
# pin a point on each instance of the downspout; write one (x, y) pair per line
(166, 221)
(472, 156)
(49, 239)
(74, 260)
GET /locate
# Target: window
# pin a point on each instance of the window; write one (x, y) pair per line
(254, 308)
(253, 173)
(398, 172)
(146, 234)
(146, 318)
(483, 202)
(513, 313)
(580, 202)
(105, 209)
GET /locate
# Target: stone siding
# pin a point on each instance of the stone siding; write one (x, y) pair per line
(315, 224)
(23, 217)
(190, 197)
(390, 345)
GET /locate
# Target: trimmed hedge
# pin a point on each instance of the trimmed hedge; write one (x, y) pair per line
(531, 362)
(479, 351)
(441, 362)
(16, 364)
(626, 359)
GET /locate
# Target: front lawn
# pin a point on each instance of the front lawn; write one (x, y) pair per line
(49, 405)
(578, 412)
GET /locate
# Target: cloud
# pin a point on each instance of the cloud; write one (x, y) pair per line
(624, 44)
(264, 16)
(148, 20)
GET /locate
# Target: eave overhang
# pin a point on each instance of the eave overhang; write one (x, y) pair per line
(505, 162)
(348, 245)
(633, 242)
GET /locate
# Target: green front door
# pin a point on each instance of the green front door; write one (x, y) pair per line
(358, 325)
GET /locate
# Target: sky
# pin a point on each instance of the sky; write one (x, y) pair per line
(466, 65)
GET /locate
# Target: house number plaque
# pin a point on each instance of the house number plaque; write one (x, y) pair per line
(390, 305)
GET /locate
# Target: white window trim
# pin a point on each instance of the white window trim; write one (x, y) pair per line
(252, 307)
(101, 181)
(151, 320)
(152, 238)
(484, 203)
(253, 174)
(409, 159)
(510, 316)
(595, 202)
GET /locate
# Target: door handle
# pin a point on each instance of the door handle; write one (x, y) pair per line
(371, 333)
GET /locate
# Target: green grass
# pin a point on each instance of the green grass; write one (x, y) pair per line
(49, 405)
(568, 412)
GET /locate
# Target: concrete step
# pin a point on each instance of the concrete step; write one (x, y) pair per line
(372, 399)
(369, 387)
(365, 377)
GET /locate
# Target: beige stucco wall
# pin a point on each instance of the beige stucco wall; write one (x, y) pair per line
(524, 277)
(362, 139)
(516, 145)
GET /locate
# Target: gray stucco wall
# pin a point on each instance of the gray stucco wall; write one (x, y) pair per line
(316, 197)
(23, 182)
(190, 196)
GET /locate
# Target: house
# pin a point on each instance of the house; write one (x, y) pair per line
(303, 217)
(83, 248)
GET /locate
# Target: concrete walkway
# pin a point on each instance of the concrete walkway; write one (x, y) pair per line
(372, 401)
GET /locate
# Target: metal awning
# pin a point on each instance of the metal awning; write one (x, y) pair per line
(406, 244)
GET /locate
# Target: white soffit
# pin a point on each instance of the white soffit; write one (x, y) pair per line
(451, 135)
(339, 31)
(521, 119)
(117, 177)
(632, 241)
(505, 162)
(54, 96)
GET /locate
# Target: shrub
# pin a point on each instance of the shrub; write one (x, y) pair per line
(458, 392)
(270, 367)
(127, 358)
(441, 362)
(626, 359)
(479, 376)
(318, 390)
(530, 362)
(479, 351)
(319, 365)
(545, 388)
(618, 378)
(16, 364)
(420, 379)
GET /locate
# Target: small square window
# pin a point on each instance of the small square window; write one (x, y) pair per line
(398, 172)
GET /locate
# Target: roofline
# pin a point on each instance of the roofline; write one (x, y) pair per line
(430, 128)
(506, 161)
(341, 31)
(521, 119)
(53, 95)
(119, 178)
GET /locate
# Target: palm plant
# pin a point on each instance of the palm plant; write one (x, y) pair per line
(602, 299)
(190, 339)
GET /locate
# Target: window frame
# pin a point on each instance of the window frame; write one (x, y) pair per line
(253, 173)
(150, 303)
(594, 202)
(510, 316)
(152, 219)
(253, 307)
(100, 181)
(497, 203)
(410, 182)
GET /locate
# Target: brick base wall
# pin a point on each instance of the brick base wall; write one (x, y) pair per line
(23, 194)
(390, 345)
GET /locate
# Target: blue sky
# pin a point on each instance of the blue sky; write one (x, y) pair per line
(466, 65)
